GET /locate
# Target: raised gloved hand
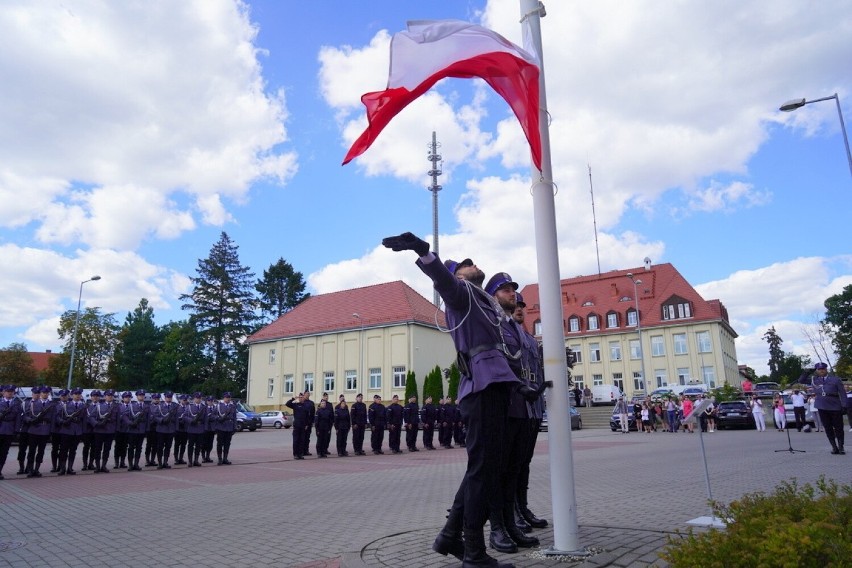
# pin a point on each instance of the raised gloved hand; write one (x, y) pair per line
(407, 241)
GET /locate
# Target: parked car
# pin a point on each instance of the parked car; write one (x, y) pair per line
(766, 390)
(660, 393)
(615, 420)
(605, 394)
(576, 420)
(733, 413)
(694, 391)
(276, 418)
(247, 418)
(790, 415)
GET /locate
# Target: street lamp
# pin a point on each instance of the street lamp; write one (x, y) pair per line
(639, 330)
(361, 347)
(790, 106)
(76, 325)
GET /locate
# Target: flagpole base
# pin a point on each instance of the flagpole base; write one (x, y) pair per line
(568, 554)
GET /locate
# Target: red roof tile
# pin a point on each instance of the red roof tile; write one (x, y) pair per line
(613, 291)
(389, 303)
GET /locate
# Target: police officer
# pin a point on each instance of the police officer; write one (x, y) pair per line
(180, 431)
(40, 422)
(70, 418)
(300, 425)
(55, 442)
(342, 424)
(377, 415)
(428, 414)
(225, 418)
(23, 428)
(10, 414)
(394, 424)
(312, 412)
(830, 400)
(411, 416)
(88, 436)
(448, 420)
(120, 454)
(151, 432)
(135, 420)
(209, 429)
(103, 418)
(358, 416)
(163, 413)
(474, 318)
(323, 421)
(194, 418)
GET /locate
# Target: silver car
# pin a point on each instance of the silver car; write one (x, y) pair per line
(276, 418)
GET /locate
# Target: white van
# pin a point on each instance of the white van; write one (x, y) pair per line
(605, 394)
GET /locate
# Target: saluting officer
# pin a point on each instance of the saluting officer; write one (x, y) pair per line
(342, 423)
(135, 419)
(103, 417)
(10, 414)
(378, 416)
(225, 413)
(209, 429)
(830, 400)
(70, 418)
(428, 414)
(358, 416)
(411, 416)
(300, 425)
(180, 431)
(194, 419)
(163, 414)
(40, 420)
(55, 441)
(120, 455)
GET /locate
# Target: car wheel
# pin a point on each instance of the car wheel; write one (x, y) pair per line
(252, 428)
(239, 426)
(278, 425)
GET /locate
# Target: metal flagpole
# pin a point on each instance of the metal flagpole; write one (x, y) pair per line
(565, 530)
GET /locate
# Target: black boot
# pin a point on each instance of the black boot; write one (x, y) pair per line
(34, 470)
(520, 521)
(475, 554)
(500, 539)
(97, 467)
(514, 532)
(22, 470)
(529, 517)
(225, 456)
(54, 462)
(449, 540)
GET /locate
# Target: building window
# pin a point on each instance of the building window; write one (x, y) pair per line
(709, 376)
(399, 377)
(679, 343)
(618, 381)
(684, 311)
(612, 320)
(615, 351)
(635, 351)
(308, 381)
(705, 345)
(577, 350)
(270, 388)
(537, 327)
(289, 384)
(593, 322)
(597, 380)
(578, 380)
(375, 379)
(271, 356)
(658, 348)
(682, 375)
(632, 320)
(638, 383)
(660, 377)
(351, 380)
(328, 381)
(594, 352)
(677, 311)
(574, 324)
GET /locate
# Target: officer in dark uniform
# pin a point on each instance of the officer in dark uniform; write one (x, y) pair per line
(358, 416)
(458, 429)
(163, 414)
(377, 415)
(120, 455)
(23, 430)
(411, 417)
(225, 418)
(323, 421)
(88, 436)
(180, 431)
(151, 432)
(830, 401)
(103, 417)
(448, 421)
(135, 420)
(10, 415)
(342, 423)
(394, 424)
(70, 418)
(54, 432)
(209, 429)
(194, 419)
(428, 414)
(300, 425)
(312, 412)
(40, 422)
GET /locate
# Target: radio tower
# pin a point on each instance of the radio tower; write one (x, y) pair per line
(434, 157)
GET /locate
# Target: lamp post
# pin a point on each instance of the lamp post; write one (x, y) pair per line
(76, 325)
(639, 330)
(790, 106)
(361, 347)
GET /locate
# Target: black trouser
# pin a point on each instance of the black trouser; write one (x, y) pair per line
(35, 451)
(479, 491)
(394, 437)
(5, 444)
(411, 435)
(306, 442)
(68, 451)
(194, 444)
(832, 421)
(799, 413)
(101, 447)
(358, 437)
(120, 447)
(342, 435)
(323, 440)
(150, 446)
(377, 438)
(164, 447)
(442, 434)
(458, 433)
(299, 441)
(54, 450)
(180, 445)
(428, 435)
(87, 438)
(524, 473)
(223, 443)
(207, 449)
(515, 450)
(134, 447)
(23, 444)
(446, 434)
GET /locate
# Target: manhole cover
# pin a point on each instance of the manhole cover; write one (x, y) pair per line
(10, 545)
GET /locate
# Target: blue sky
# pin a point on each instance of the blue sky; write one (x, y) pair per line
(133, 135)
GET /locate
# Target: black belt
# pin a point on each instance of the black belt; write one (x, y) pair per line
(480, 348)
(832, 394)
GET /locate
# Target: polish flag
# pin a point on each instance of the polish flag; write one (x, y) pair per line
(434, 49)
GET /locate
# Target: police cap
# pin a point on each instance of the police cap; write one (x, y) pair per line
(498, 281)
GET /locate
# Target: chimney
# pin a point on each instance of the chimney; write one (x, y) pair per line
(48, 351)
(614, 289)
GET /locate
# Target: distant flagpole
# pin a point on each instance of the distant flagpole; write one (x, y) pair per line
(566, 537)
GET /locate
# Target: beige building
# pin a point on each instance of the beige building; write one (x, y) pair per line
(685, 339)
(363, 340)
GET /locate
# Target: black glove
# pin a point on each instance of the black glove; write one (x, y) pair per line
(532, 394)
(407, 241)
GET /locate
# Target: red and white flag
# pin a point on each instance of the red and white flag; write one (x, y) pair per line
(431, 50)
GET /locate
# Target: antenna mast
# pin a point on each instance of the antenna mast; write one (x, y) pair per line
(594, 219)
(434, 157)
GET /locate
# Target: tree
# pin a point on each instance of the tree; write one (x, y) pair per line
(222, 307)
(139, 341)
(838, 315)
(453, 382)
(281, 289)
(181, 364)
(410, 385)
(792, 367)
(776, 355)
(16, 365)
(96, 340)
(433, 385)
(819, 334)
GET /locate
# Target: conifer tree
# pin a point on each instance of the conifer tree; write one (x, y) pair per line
(280, 290)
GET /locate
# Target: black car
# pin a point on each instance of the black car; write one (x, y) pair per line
(766, 390)
(615, 420)
(733, 413)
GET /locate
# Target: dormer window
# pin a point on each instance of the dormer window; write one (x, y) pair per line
(612, 320)
(588, 303)
(677, 308)
(625, 299)
(632, 320)
(574, 324)
(593, 322)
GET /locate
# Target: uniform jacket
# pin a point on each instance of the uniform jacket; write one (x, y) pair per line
(135, 417)
(194, 417)
(300, 413)
(224, 416)
(536, 370)
(71, 416)
(40, 417)
(324, 418)
(428, 414)
(180, 425)
(830, 394)
(471, 314)
(54, 425)
(394, 415)
(103, 417)
(209, 424)
(311, 408)
(378, 415)
(358, 414)
(411, 413)
(120, 425)
(342, 420)
(519, 360)
(10, 415)
(164, 416)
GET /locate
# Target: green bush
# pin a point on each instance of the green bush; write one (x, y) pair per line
(794, 527)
